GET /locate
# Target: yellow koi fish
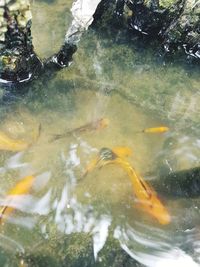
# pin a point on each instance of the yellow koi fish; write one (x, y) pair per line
(10, 144)
(104, 154)
(145, 194)
(21, 188)
(92, 126)
(122, 151)
(161, 129)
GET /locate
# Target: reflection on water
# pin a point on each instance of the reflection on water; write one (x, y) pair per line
(65, 210)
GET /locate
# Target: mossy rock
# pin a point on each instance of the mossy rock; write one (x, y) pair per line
(112, 255)
(76, 250)
(176, 24)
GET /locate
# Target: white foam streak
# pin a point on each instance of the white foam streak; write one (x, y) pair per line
(41, 181)
(42, 206)
(100, 234)
(61, 205)
(19, 202)
(173, 257)
(27, 222)
(14, 162)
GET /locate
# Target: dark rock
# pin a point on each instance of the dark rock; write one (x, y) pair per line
(184, 183)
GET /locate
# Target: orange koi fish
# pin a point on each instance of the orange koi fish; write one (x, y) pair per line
(10, 144)
(21, 188)
(161, 129)
(92, 126)
(147, 197)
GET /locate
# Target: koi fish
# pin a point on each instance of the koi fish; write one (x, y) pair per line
(106, 153)
(10, 144)
(122, 151)
(147, 197)
(161, 129)
(21, 188)
(95, 125)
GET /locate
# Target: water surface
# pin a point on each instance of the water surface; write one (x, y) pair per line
(110, 78)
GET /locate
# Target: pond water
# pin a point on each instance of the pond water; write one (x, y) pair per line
(66, 218)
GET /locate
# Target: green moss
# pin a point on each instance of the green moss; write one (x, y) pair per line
(112, 255)
(76, 250)
(166, 3)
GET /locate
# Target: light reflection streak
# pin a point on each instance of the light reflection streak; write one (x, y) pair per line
(165, 254)
(28, 203)
(26, 222)
(14, 162)
(41, 181)
(100, 234)
(9, 244)
(71, 161)
(42, 206)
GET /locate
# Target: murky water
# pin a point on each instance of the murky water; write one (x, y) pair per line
(67, 219)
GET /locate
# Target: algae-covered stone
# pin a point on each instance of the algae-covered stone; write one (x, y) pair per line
(75, 250)
(176, 24)
(185, 183)
(112, 255)
(70, 250)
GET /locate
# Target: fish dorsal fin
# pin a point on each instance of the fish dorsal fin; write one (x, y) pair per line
(122, 151)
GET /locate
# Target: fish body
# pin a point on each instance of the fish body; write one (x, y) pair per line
(145, 194)
(122, 151)
(21, 188)
(161, 129)
(92, 126)
(105, 155)
(9, 144)
(91, 166)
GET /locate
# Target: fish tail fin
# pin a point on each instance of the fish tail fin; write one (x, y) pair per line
(36, 134)
(55, 137)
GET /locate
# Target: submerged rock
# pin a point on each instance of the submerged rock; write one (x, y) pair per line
(76, 250)
(185, 183)
(112, 255)
(174, 24)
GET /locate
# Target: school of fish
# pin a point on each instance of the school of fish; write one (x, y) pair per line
(145, 196)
